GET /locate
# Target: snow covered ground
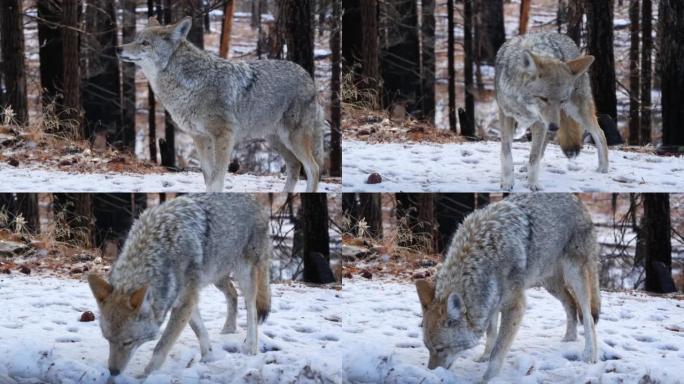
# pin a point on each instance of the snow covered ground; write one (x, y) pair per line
(475, 167)
(639, 336)
(41, 339)
(39, 179)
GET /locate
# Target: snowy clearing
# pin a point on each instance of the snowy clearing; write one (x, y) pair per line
(638, 336)
(39, 179)
(41, 339)
(475, 167)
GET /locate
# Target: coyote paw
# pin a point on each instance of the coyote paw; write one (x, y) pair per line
(249, 349)
(569, 337)
(228, 329)
(602, 169)
(208, 358)
(506, 186)
(535, 187)
(483, 358)
(589, 357)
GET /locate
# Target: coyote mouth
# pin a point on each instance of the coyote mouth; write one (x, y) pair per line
(128, 59)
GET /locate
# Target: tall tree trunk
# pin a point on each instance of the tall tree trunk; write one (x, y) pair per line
(13, 67)
(128, 77)
(468, 126)
(671, 49)
(370, 209)
(299, 32)
(524, 16)
(656, 231)
(646, 48)
(451, 69)
(336, 90)
(50, 49)
(101, 91)
(400, 55)
(361, 49)
(428, 68)
(600, 45)
(227, 29)
(575, 14)
(76, 211)
(151, 102)
(314, 216)
(194, 9)
(634, 72)
(415, 212)
(490, 27)
(114, 214)
(450, 211)
(71, 11)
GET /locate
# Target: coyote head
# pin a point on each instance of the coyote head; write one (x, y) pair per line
(126, 321)
(551, 83)
(446, 330)
(154, 45)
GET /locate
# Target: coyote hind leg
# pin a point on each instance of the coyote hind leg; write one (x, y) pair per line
(301, 144)
(228, 289)
(556, 287)
(292, 164)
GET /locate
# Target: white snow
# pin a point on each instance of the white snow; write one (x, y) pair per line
(41, 179)
(476, 167)
(41, 339)
(638, 336)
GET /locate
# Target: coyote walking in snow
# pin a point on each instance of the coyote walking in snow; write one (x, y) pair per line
(220, 102)
(171, 253)
(497, 253)
(542, 84)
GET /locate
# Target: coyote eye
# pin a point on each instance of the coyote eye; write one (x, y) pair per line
(127, 343)
(543, 99)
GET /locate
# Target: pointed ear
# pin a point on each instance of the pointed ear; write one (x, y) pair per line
(101, 289)
(454, 306)
(182, 28)
(530, 62)
(137, 298)
(153, 22)
(580, 65)
(426, 292)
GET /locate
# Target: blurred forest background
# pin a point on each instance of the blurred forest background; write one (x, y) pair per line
(405, 235)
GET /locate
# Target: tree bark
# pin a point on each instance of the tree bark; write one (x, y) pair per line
(71, 66)
(600, 45)
(490, 27)
(575, 13)
(524, 16)
(370, 209)
(428, 68)
(50, 51)
(450, 211)
(634, 73)
(114, 214)
(656, 231)
(361, 47)
(671, 50)
(468, 126)
(336, 91)
(151, 102)
(13, 67)
(128, 77)
(314, 216)
(227, 29)
(299, 32)
(646, 72)
(451, 69)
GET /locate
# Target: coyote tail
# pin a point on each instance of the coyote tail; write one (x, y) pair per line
(263, 298)
(570, 136)
(595, 292)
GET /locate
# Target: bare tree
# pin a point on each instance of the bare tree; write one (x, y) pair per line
(128, 77)
(227, 28)
(428, 68)
(671, 53)
(634, 72)
(646, 72)
(451, 62)
(316, 255)
(151, 102)
(297, 16)
(655, 234)
(467, 119)
(525, 16)
(575, 14)
(50, 49)
(13, 67)
(489, 30)
(600, 45)
(71, 11)
(336, 90)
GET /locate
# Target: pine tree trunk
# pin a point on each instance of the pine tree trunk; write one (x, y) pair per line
(450, 210)
(428, 68)
(151, 102)
(600, 45)
(646, 49)
(13, 67)
(451, 69)
(656, 231)
(128, 77)
(299, 32)
(227, 29)
(336, 90)
(671, 49)
(71, 66)
(575, 13)
(314, 216)
(524, 16)
(114, 214)
(370, 50)
(634, 73)
(468, 123)
(50, 51)
(490, 25)
(370, 209)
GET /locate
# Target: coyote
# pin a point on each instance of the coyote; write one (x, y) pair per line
(542, 84)
(220, 102)
(172, 252)
(498, 252)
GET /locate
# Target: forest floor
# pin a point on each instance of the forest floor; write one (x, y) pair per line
(300, 341)
(476, 167)
(641, 339)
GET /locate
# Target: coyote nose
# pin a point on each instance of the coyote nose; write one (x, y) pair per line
(553, 127)
(114, 372)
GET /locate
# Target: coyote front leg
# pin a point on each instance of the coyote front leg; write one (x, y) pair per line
(197, 326)
(179, 318)
(492, 332)
(511, 317)
(508, 126)
(223, 148)
(536, 154)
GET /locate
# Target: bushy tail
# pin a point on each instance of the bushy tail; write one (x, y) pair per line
(592, 276)
(263, 298)
(570, 136)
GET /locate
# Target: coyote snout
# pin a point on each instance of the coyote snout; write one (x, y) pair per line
(220, 102)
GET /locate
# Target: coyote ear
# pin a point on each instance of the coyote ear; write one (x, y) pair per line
(101, 289)
(137, 298)
(182, 28)
(153, 22)
(426, 292)
(529, 62)
(580, 65)
(454, 307)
